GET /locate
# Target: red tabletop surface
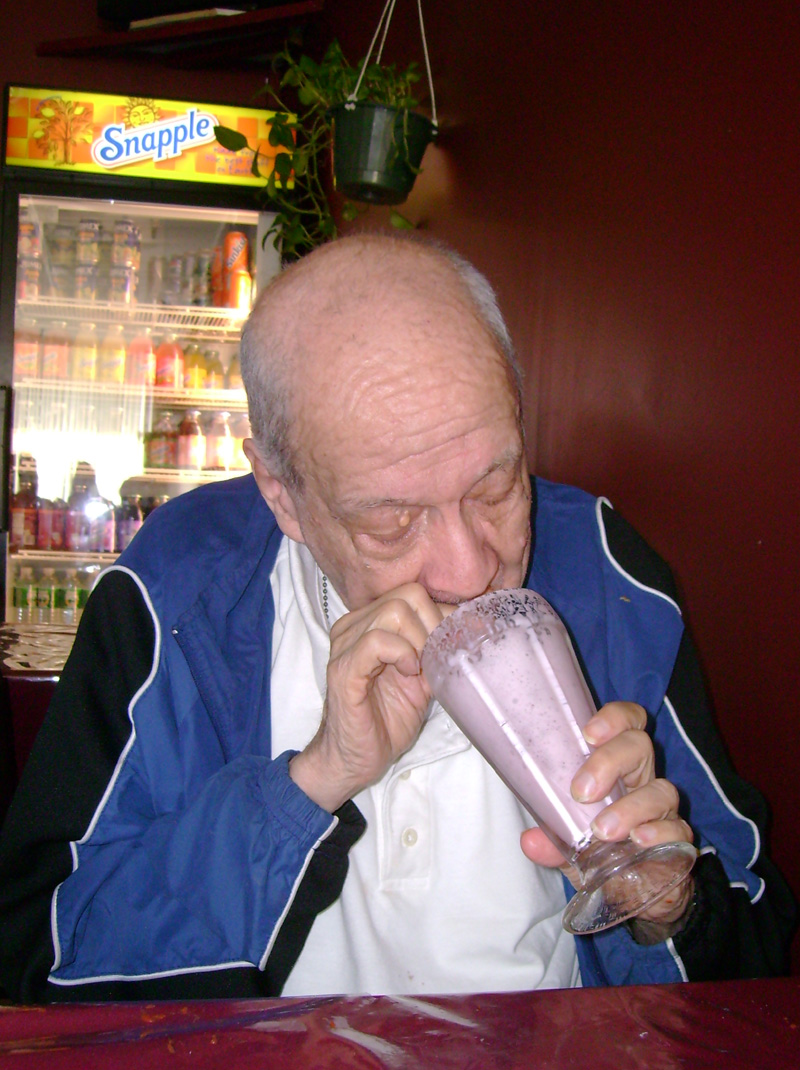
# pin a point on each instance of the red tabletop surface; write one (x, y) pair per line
(729, 1024)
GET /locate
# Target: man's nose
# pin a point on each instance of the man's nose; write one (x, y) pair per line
(460, 561)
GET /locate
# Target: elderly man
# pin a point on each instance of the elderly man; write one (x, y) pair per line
(240, 788)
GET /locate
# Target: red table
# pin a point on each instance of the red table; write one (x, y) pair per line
(731, 1024)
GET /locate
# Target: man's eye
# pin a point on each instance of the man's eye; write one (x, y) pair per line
(386, 538)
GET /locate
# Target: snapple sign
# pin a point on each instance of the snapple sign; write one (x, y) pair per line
(119, 144)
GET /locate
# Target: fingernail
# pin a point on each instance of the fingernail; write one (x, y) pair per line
(606, 825)
(643, 835)
(583, 787)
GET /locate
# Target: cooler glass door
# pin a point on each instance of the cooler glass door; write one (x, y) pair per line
(126, 383)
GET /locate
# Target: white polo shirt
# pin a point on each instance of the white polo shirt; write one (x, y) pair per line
(438, 897)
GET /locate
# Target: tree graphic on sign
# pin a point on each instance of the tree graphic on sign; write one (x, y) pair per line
(63, 125)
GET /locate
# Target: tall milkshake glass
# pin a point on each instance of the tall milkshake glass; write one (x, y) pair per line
(504, 668)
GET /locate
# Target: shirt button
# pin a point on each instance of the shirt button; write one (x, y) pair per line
(405, 774)
(409, 837)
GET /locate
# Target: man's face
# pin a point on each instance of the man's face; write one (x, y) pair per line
(415, 470)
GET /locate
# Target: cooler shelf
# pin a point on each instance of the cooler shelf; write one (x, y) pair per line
(223, 324)
(162, 397)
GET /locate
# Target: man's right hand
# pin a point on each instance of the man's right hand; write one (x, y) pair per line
(377, 697)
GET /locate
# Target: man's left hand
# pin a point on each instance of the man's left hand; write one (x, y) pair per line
(648, 814)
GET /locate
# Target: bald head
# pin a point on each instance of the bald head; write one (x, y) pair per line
(355, 319)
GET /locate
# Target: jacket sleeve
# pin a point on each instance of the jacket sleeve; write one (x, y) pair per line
(106, 895)
(743, 915)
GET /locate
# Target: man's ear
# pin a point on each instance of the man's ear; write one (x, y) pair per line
(274, 493)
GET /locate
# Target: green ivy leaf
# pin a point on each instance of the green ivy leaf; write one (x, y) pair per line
(231, 140)
(400, 222)
(283, 166)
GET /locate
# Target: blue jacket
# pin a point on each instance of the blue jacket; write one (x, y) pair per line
(186, 861)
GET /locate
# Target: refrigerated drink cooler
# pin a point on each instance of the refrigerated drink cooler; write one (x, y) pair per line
(120, 342)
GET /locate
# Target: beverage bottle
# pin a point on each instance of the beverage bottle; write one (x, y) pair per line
(102, 523)
(240, 431)
(25, 507)
(27, 344)
(140, 359)
(83, 354)
(219, 443)
(169, 363)
(191, 442)
(50, 524)
(45, 593)
(130, 520)
(194, 367)
(149, 504)
(69, 613)
(55, 351)
(111, 356)
(215, 374)
(59, 591)
(234, 376)
(83, 579)
(24, 596)
(77, 525)
(161, 444)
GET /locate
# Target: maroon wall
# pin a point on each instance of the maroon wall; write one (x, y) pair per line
(627, 176)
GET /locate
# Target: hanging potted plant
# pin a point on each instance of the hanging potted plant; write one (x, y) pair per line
(363, 118)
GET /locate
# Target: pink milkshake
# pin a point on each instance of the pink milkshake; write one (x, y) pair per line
(505, 670)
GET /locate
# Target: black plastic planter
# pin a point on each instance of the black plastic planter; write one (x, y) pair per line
(377, 151)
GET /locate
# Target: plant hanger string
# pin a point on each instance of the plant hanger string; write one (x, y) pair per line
(383, 21)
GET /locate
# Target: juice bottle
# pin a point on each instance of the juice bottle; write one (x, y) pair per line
(241, 430)
(219, 443)
(234, 376)
(55, 351)
(215, 374)
(83, 354)
(111, 356)
(130, 520)
(77, 524)
(194, 367)
(140, 360)
(50, 525)
(169, 363)
(27, 343)
(191, 442)
(24, 506)
(161, 444)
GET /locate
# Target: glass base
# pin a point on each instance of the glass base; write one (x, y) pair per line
(620, 880)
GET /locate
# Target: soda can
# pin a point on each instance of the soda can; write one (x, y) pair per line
(123, 250)
(216, 278)
(28, 272)
(187, 278)
(62, 281)
(123, 285)
(235, 252)
(86, 276)
(62, 246)
(87, 245)
(201, 290)
(155, 278)
(240, 286)
(29, 242)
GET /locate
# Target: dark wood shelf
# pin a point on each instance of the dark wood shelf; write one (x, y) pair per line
(217, 41)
